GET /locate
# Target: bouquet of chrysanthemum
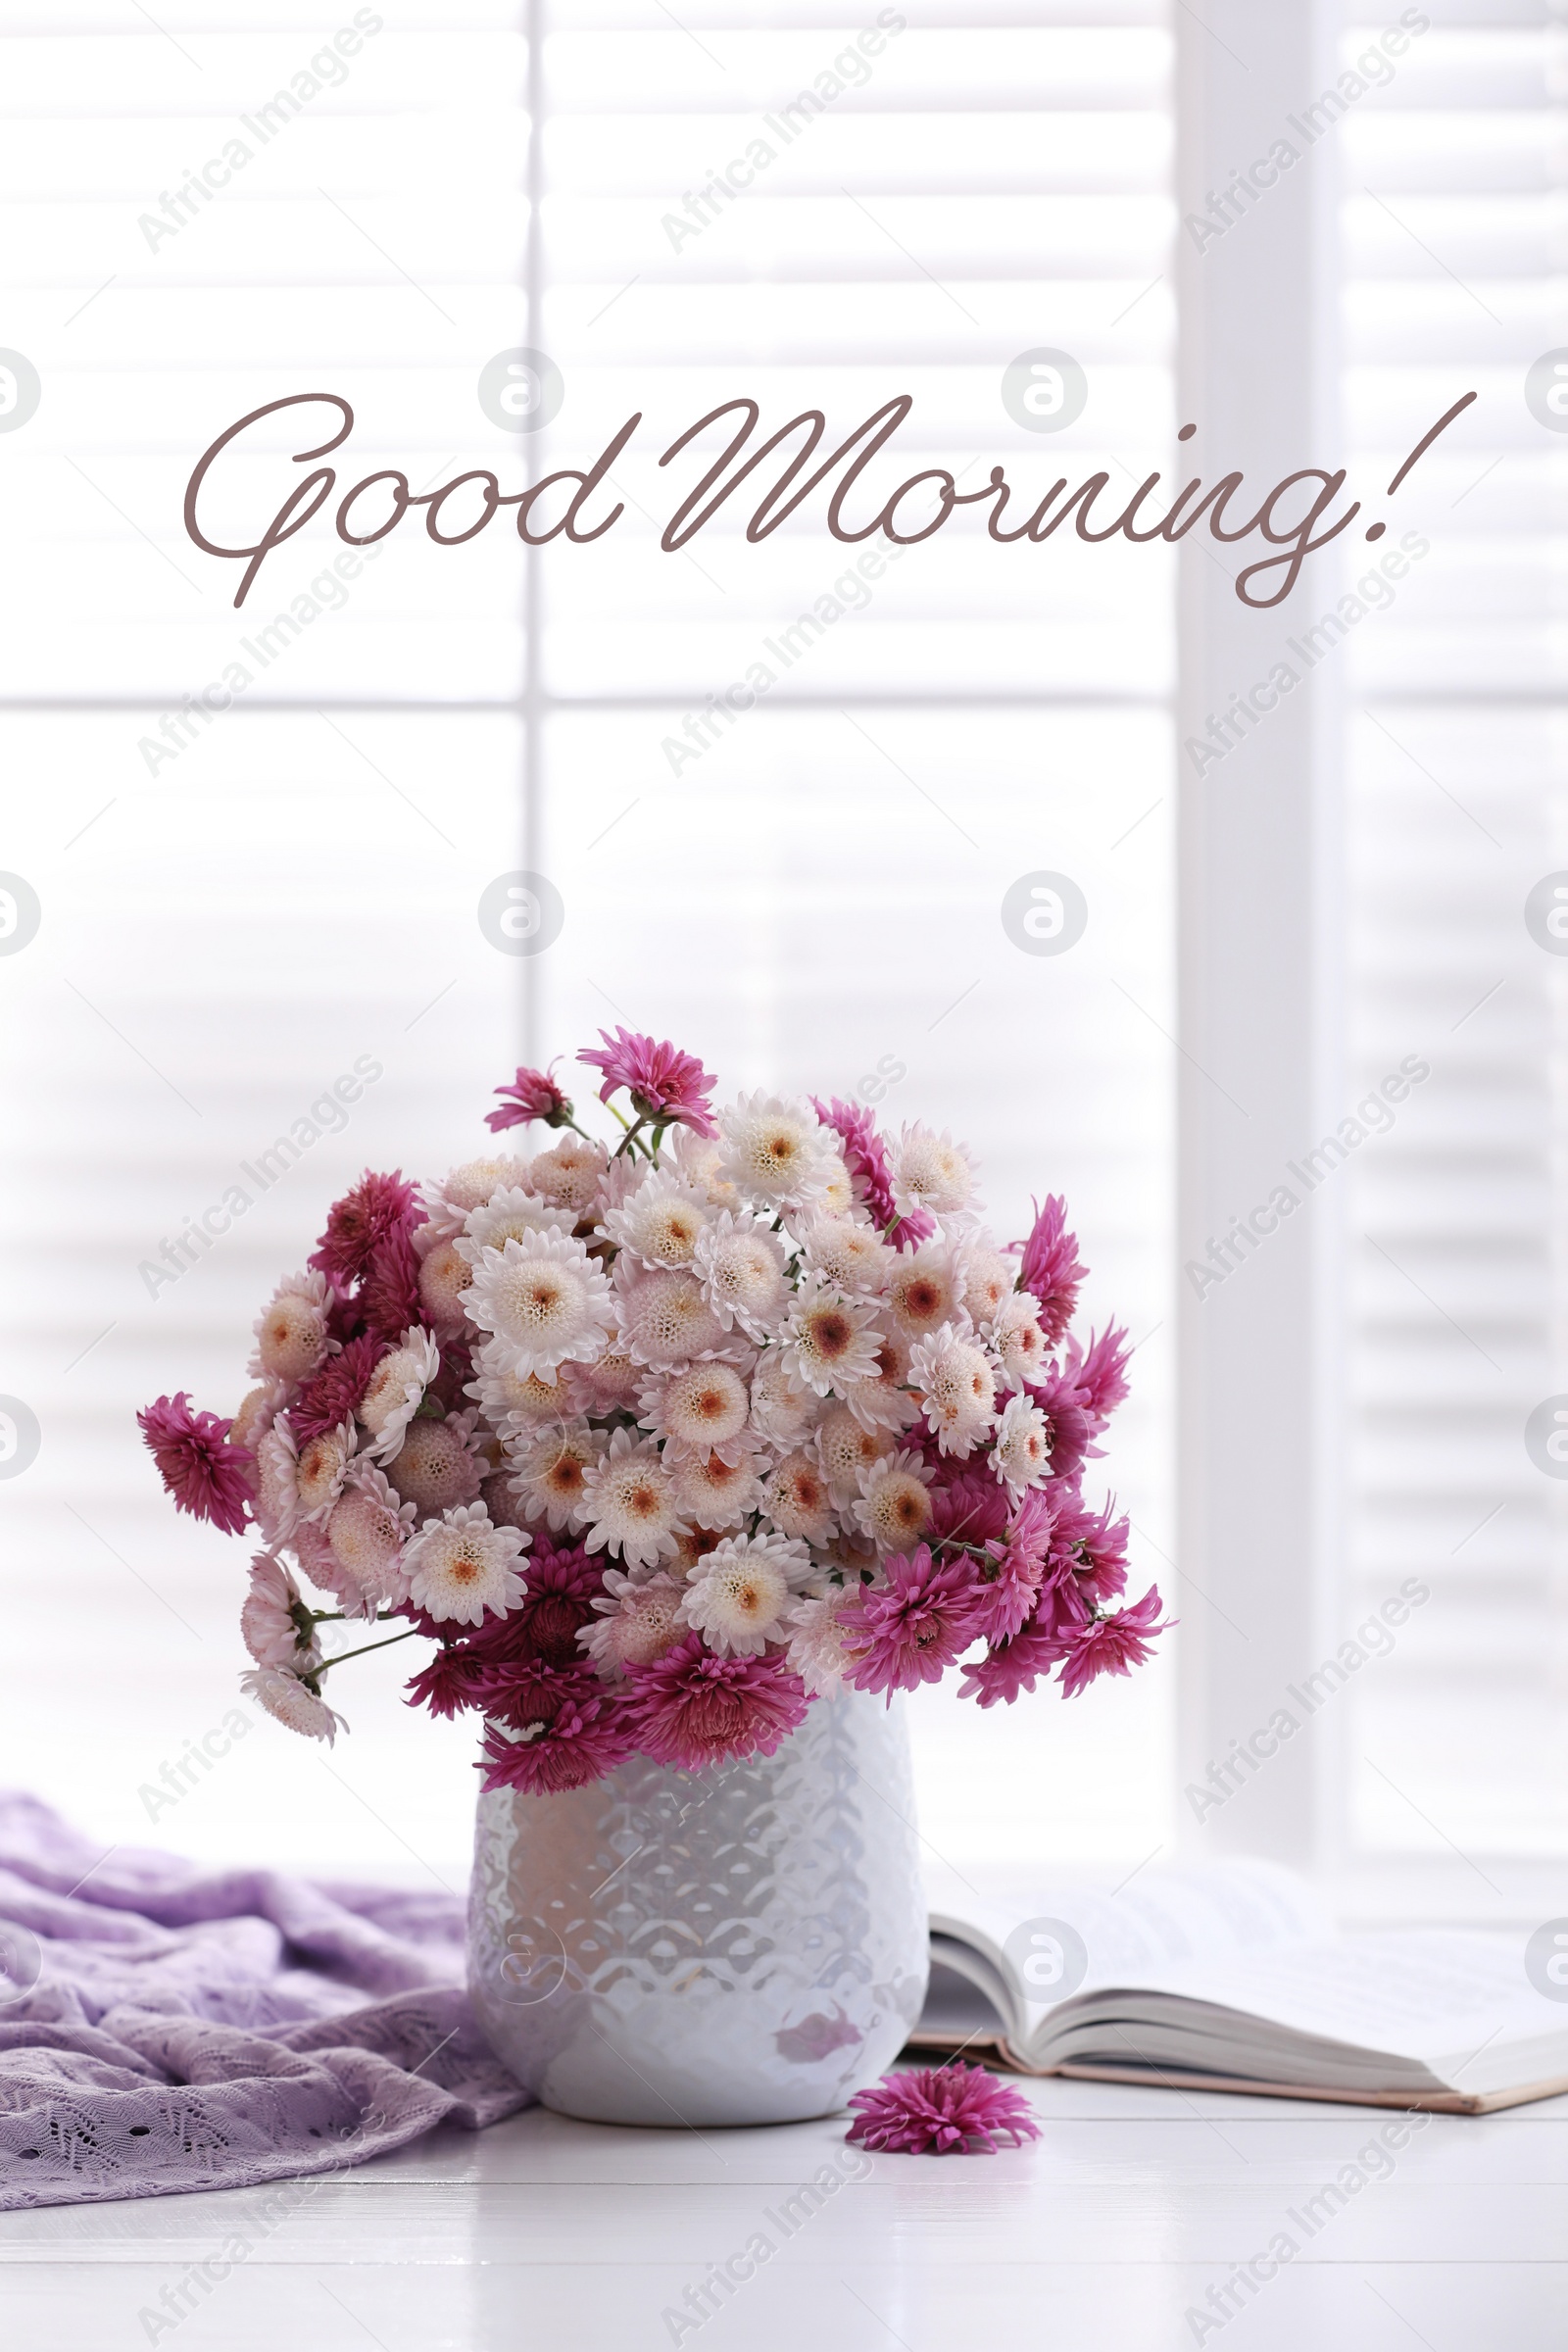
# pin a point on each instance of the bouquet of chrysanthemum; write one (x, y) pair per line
(656, 1444)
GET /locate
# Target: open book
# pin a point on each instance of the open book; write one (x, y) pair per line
(1229, 1977)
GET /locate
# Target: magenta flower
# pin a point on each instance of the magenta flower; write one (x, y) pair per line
(1051, 1268)
(1099, 1376)
(1010, 1668)
(1072, 1432)
(910, 1630)
(388, 1298)
(951, 2110)
(532, 1095)
(967, 1506)
(327, 1400)
(1112, 1644)
(692, 1707)
(664, 1082)
(204, 1472)
(360, 1224)
(1089, 1547)
(582, 1736)
(450, 1683)
(866, 1157)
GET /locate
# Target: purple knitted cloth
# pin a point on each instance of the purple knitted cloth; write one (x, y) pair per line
(164, 2027)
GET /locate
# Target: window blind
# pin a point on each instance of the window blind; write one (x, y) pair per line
(1455, 1745)
(810, 896)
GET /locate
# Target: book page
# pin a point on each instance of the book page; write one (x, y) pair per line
(1158, 1919)
(1458, 2004)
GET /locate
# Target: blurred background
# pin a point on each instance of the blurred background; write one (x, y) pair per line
(237, 907)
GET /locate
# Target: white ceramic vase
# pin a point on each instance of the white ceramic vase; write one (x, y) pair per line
(745, 1944)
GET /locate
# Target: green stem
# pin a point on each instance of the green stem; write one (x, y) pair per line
(630, 1137)
(364, 1650)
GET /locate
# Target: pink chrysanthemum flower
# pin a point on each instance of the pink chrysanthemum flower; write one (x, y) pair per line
(388, 1296)
(951, 2110)
(910, 1630)
(359, 1223)
(692, 1707)
(1098, 1374)
(1091, 1547)
(1070, 1432)
(532, 1095)
(583, 1735)
(1112, 1644)
(664, 1082)
(335, 1393)
(1014, 1666)
(1051, 1268)
(202, 1472)
(871, 1172)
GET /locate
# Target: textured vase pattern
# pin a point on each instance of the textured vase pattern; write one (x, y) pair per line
(742, 1945)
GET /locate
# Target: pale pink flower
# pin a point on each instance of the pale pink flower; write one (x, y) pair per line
(292, 1704)
(552, 1471)
(738, 1595)
(460, 1568)
(275, 1621)
(629, 1503)
(638, 1619)
(894, 1507)
(664, 1319)
(957, 1387)
(546, 1298)
(829, 1340)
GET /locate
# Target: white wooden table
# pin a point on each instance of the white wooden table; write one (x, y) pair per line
(1109, 2233)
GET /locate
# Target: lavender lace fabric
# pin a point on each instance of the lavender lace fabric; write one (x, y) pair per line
(191, 2029)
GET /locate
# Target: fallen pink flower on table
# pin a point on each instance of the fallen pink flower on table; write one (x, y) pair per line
(951, 2110)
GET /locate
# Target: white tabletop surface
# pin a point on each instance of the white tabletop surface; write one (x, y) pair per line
(1110, 2231)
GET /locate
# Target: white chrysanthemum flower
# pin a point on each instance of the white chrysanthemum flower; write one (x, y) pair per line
(931, 1171)
(460, 1566)
(274, 1616)
(322, 1466)
(291, 1338)
(884, 1402)
(775, 1152)
(718, 1489)
(368, 1529)
(705, 1407)
(638, 1620)
(278, 1482)
(796, 1498)
(612, 1382)
(439, 1464)
(1021, 1456)
(397, 1388)
(957, 1387)
(988, 1278)
(699, 1160)
(828, 1339)
(291, 1703)
(893, 1508)
(571, 1175)
(256, 1412)
(664, 1319)
(464, 1189)
(1018, 1341)
(845, 1448)
(511, 1216)
(629, 1502)
(838, 1190)
(740, 1263)
(739, 1594)
(551, 1471)
(922, 1290)
(444, 1278)
(516, 1404)
(815, 1630)
(546, 1298)
(661, 1222)
(783, 1408)
(848, 1251)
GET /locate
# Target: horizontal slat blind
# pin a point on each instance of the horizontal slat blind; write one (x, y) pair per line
(1457, 1742)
